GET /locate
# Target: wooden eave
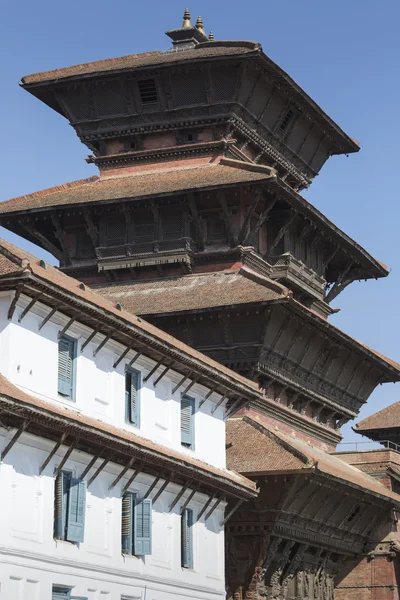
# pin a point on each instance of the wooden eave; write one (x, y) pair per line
(253, 51)
(127, 334)
(94, 440)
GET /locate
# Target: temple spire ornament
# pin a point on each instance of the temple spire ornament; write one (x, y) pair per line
(200, 25)
(211, 37)
(186, 19)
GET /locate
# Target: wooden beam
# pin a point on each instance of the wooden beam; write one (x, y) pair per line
(220, 401)
(14, 302)
(134, 359)
(89, 339)
(132, 477)
(189, 498)
(207, 396)
(340, 283)
(65, 458)
(66, 327)
(233, 408)
(230, 513)
(29, 225)
(151, 488)
(330, 257)
(179, 495)
(196, 221)
(14, 439)
(163, 373)
(47, 318)
(261, 220)
(191, 384)
(28, 308)
(122, 473)
(244, 231)
(182, 381)
(52, 453)
(99, 469)
(91, 228)
(125, 352)
(91, 463)
(162, 488)
(153, 370)
(102, 343)
(60, 235)
(227, 218)
(280, 234)
(210, 512)
(207, 504)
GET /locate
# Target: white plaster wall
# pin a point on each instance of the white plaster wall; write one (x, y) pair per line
(31, 561)
(29, 358)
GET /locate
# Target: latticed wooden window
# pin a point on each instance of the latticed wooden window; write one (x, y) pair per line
(148, 91)
(84, 246)
(215, 228)
(172, 225)
(143, 224)
(285, 121)
(114, 230)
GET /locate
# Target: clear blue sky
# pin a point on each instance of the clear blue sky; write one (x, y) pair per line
(344, 53)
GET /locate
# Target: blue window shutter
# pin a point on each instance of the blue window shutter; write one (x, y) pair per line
(76, 511)
(66, 356)
(143, 527)
(187, 539)
(60, 594)
(132, 396)
(128, 503)
(61, 489)
(187, 421)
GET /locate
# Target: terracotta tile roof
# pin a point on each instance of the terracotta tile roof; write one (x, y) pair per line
(29, 405)
(288, 453)
(194, 292)
(139, 185)
(387, 418)
(146, 59)
(26, 261)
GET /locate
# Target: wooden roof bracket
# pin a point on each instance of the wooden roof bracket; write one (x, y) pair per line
(182, 381)
(65, 458)
(261, 219)
(280, 234)
(99, 469)
(230, 513)
(28, 308)
(52, 453)
(162, 488)
(14, 439)
(179, 495)
(207, 396)
(244, 231)
(153, 370)
(122, 473)
(191, 384)
(47, 318)
(102, 343)
(134, 359)
(340, 284)
(207, 504)
(233, 408)
(132, 478)
(196, 221)
(220, 401)
(151, 488)
(91, 463)
(189, 498)
(122, 356)
(66, 327)
(214, 506)
(89, 339)
(14, 302)
(163, 373)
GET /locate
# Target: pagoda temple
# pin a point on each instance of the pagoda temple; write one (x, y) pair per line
(196, 222)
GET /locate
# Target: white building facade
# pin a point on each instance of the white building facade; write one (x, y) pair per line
(112, 465)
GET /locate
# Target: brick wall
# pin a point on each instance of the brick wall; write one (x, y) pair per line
(369, 579)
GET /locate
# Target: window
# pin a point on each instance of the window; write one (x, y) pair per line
(132, 397)
(215, 228)
(148, 91)
(136, 531)
(62, 593)
(66, 367)
(187, 538)
(187, 421)
(69, 508)
(286, 120)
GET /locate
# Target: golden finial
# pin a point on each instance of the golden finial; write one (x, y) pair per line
(199, 25)
(186, 19)
(211, 37)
